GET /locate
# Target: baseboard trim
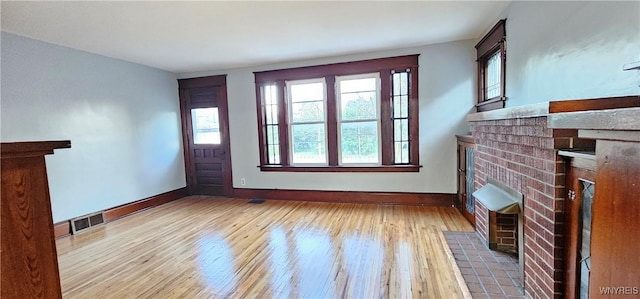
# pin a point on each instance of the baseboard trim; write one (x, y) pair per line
(143, 204)
(63, 228)
(387, 198)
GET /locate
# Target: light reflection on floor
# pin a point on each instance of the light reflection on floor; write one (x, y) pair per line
(315, 255)
(362, 256)
(280, 265)
(216, 263)
(306, 259)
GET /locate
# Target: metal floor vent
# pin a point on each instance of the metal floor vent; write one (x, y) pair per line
(257, 201)
(85, 222)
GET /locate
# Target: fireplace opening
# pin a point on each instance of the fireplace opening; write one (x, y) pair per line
(505, 218)
(503, 232)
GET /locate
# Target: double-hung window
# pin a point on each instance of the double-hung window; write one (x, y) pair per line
(307, 122)
(359, 119)
(354, 116)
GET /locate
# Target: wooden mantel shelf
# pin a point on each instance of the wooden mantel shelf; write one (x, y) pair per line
(627, 119)
(613, 124)
(554, 107)
(32, 148)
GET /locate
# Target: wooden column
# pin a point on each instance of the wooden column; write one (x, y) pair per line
(615, 232)
(29, 260)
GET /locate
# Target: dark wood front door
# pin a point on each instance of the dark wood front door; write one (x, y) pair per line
(205, 131)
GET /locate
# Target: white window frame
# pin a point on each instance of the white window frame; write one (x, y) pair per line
(338, 79)
(290, 121)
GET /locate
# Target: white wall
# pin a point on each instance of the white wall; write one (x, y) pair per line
(446, 78)
(571, 50)
(122, 120)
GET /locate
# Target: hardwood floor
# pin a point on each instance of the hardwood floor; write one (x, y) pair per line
(205, 247)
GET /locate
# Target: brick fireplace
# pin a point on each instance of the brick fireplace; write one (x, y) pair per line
(515, 147)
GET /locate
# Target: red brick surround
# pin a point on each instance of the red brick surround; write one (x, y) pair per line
(522, 153)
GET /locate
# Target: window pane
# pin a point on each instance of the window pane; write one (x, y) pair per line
(273, 145)
(400, 83)
(270, 95)
(493, 76)
(401, 129)
(272, 134)
(359, 142)
(308, 143)
(273, 154)
(401, 141)
(360, 105)
(400, 106)
(307, 92)
(401, 150)
(358, 85)
(270, 104)
(307, 111)
(206, 128)
(272, 114)
(401, 117)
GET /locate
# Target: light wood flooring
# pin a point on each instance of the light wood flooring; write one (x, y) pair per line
(206, 247)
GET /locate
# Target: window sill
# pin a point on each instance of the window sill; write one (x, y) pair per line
(491, 104)
(383, 168)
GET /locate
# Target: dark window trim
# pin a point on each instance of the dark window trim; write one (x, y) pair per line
(493, 42)
(338, 69)
(384, 66)
(381, 168)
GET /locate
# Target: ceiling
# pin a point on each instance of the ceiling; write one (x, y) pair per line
(181, 36)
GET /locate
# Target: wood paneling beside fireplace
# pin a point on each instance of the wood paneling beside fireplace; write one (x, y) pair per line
(615, 219)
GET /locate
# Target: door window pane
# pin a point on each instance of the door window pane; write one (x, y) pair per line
(588, 189)
(206, 126)
(470, 167)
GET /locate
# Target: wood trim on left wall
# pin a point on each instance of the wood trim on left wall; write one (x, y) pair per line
(63, 228)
